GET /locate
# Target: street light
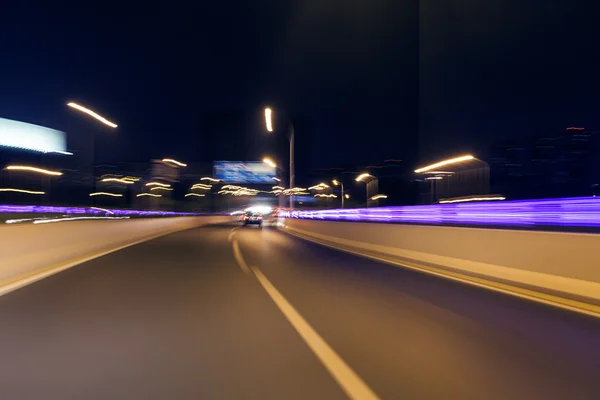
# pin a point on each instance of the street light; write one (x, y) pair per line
(371, 183)
(341, 185)
(474, 182)
(92, 114)
(269, 162)
(269, 126)
(172, 161)
(100, 118)
(445, 162)
(268, 119)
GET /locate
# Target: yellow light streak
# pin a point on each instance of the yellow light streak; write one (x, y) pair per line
(445, 162)
(269, 162)
(172, 161)
(160, 188)
(472, 199)
(194, 194)
(92, 114)
(158, 184)
(118, 180)
(379, 196)
(33, 169)
(148, 194)
(268, 117)
(21, 191)
(362, 176)
(105, 194)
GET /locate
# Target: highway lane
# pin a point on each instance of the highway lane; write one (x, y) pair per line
(177, 317)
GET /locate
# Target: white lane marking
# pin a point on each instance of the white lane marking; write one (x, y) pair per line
(237, 253)
(39, 275)
(230, 237)
(348, 380)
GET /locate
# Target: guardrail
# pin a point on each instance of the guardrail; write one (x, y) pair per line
(572, 212)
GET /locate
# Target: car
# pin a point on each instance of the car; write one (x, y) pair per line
(253, 218)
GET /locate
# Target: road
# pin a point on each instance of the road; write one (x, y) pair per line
(217, 313)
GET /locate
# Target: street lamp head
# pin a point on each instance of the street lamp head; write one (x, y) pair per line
(92, 114)
(269, 162)
(347, 196)
(361, 177)
(335, 182)
(445, 162)
(268, 119)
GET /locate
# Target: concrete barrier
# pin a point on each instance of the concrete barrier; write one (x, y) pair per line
(565, 265)
(29, 251)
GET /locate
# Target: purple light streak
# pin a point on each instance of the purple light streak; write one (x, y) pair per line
(577, 211)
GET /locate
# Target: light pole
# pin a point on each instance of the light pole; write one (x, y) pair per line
(341, 185)
(269, 126)
(371, 183)
(439, 171)
(98, 117)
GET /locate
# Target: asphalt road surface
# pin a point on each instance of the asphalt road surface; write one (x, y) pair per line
(212, 313)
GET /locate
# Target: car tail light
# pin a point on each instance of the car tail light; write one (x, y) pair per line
(246, 218)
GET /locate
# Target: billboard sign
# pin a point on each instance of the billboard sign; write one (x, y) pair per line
(21, 135)
(244, 172)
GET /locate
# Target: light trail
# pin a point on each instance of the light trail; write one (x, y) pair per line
(92, 114)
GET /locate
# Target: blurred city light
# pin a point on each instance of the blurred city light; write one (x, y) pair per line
(445, 162)
(160, 188)
(468, 199)
(347, 196)
(158, 184)
(363, 176)
(201, 186)
(277, 179)
(106, 194)
(92, 114)
(21, 191)
(33, 169)
(434, 178)
(335, 182)
(118, 180)
(278, 187)
(172, 161)
(268, 119)
(132, 178)
(262, 209)
(269, 162)
(325, 195)
(148, 194)
(207, 178)
(379, 196)
(194, 194)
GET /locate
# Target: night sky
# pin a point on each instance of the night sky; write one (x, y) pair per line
(362, 80)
